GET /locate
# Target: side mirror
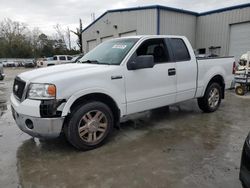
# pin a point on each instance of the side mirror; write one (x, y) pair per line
(141, 62)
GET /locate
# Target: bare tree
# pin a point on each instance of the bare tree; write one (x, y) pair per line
(60, 37)
(68, 38)
(18, 41)
(12, 30)
(78, 33)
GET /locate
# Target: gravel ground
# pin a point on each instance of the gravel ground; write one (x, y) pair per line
(169, 147)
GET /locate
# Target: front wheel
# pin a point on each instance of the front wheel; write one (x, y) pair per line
(89, 125)
(210, 102)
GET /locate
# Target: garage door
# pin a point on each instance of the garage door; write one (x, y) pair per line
(239, 39)
(91, 44)
(127, 34)
(103, 39)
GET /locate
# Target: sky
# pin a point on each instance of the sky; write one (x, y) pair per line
(45, 14)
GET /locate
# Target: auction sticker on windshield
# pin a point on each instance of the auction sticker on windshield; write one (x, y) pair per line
(119, 46)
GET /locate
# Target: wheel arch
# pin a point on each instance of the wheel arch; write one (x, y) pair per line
(218, 78)
(96, 96)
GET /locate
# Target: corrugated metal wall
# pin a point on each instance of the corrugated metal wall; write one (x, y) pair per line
(214, 29)
(141, 21)
(174, 23)
(203, 31)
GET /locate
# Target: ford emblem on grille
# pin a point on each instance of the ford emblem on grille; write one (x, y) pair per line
(16, 88)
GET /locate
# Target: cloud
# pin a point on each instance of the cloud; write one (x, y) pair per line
(47, 13)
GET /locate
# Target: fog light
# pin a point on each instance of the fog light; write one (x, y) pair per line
(29, 124)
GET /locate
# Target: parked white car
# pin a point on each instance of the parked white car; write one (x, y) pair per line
(4, 63)
(55, 60)
(40, 61)
(11, 64)
(117, 78)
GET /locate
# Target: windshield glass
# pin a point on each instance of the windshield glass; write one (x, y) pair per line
(111, 52)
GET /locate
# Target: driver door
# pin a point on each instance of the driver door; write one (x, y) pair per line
(150, 88)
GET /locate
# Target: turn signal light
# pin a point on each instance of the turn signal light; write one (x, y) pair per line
(52, 90)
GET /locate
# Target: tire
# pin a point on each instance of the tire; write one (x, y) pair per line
(240, 90)
(89, 125)
(208, 103)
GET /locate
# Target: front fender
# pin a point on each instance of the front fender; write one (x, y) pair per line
(73, 98)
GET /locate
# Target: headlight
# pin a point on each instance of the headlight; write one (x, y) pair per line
(41, 91)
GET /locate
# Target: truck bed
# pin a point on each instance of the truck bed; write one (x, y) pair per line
(207, 67)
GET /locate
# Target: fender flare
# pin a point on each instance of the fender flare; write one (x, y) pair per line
(209, 80)
(73, 98)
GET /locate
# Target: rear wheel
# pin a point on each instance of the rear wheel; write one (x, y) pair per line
(210, 102)
(89, 125)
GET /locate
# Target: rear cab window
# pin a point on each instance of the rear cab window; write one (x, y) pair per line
(62, 58)
(179, 49)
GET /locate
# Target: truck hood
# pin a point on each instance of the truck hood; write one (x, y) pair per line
(60, 71)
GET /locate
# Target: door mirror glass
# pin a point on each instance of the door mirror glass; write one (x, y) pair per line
(141, 62)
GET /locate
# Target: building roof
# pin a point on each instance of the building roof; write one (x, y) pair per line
(225, 9)
(142, 8)
(154, 7)
(160, 7)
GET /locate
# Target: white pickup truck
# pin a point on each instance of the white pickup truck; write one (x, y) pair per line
(55, 60)
(118, 78)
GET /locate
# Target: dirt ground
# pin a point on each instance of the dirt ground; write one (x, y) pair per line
(176, 147)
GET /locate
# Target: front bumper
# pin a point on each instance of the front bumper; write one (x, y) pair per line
(39, 127)
(28, 119)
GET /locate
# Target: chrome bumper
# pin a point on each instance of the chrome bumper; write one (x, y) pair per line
(40, 127)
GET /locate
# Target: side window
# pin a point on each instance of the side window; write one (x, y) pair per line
(69, 57)
(55, 58)
(156, 48)
(62, 58)
(179, 49)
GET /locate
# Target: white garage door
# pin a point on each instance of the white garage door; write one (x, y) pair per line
(128, 34)
(91, 44)
(239, 39)
(106, 38)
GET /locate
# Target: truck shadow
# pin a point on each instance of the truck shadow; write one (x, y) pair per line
(167, 132)
(167, 118)
(160, 115)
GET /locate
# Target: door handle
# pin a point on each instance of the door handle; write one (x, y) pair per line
(171, 72)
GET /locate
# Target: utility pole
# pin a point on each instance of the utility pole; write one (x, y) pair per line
(68, 36)
(78, 33)
(92, 16)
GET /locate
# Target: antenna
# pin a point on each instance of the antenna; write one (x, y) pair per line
(92, 16)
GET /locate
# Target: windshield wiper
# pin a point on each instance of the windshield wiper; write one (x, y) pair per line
(95, 62)
(91, 61)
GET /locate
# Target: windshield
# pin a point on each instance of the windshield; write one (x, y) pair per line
(111, 52)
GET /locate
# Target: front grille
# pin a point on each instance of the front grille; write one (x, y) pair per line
(18, 88)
